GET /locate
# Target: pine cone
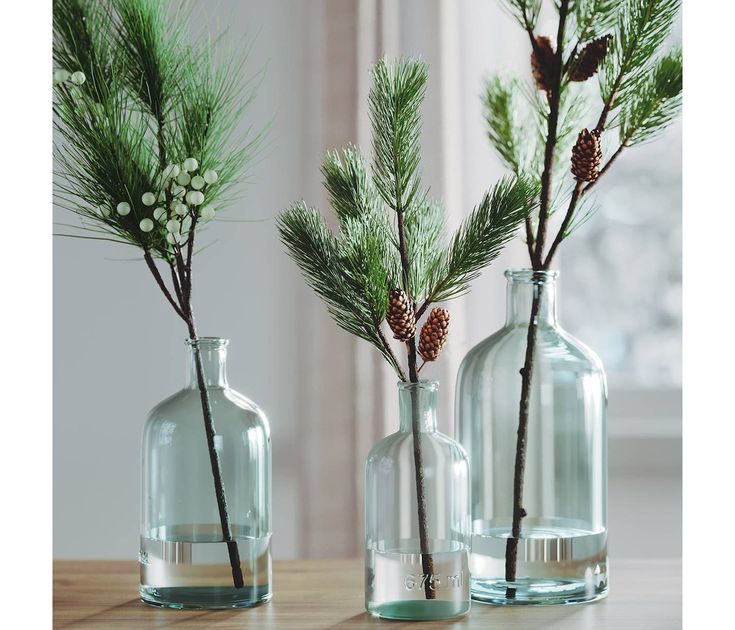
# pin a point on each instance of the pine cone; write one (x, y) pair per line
(434, 334)
(588, 60)
(586, 156)
(543, 64)
(401, 318)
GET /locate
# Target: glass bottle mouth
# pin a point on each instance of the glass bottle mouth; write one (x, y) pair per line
(422, 385)
(208, 343)
(531, 276)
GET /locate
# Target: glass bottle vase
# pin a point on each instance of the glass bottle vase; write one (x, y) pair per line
(561, 553)
(198, 486)
(417, 550)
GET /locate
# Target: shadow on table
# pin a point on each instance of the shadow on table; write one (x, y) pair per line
(157, 617)
(485, 616)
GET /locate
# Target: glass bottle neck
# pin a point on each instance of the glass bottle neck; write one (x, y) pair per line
(525, 285)
(417, 405)
(212, 353)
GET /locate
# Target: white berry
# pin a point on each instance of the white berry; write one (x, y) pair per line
(186, 224)
(148, 199)
(60, 76)
(173, 225)
(183, 178)
(146, 225)
(197, 182)
(190, 164)
(181, 209)
(123, 208)
(210, 176)
(178, 190)
(195, 198)
(207, 213)
(159, 213)
(78, 77)
(172, 170)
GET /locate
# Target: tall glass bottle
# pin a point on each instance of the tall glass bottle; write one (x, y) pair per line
(400, 581)
(184, 559)
(562, 548)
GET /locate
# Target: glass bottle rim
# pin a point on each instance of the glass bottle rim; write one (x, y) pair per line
(421, 385)
(207, 343)
(532, 276)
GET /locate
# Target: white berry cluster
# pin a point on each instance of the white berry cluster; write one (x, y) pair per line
(77, 78)
(180, 200)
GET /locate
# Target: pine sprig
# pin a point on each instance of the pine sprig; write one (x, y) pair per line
(354, 269)
(501, 110)
(348, 184)
(593, 18)
(655, 104)
(150, 100)
(526, 12)
(148, 52)
(425, 234)
(348, 274)
(482, 236)
(641, 29)
(80, 44)
(395, 112)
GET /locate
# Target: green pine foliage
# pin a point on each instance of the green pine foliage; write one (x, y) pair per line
(656, 102)
(354, 268)
(639, 83)
(151, 98)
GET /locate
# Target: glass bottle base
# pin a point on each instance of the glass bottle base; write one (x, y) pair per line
(395, 583)
(190, 568)
(413, 610)
(535, 592)
(209, 597)
(558, 563)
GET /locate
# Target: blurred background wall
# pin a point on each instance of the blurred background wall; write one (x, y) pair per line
(118, 349)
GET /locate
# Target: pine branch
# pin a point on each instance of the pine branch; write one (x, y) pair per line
(655, 104)
(526, 12)
(395, 112)
(481, 237)
(642, 27)
(501, 107)
(345, 273)
(593, 18)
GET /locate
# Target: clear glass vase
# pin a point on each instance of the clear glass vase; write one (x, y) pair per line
(206, 495)
(417, 550)
(562, 548)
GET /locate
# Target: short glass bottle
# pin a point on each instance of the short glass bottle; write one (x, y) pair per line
(562, 548)
(185, 560)
(401, 582)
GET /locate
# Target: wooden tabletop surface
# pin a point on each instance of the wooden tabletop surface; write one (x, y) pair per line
(310, 594)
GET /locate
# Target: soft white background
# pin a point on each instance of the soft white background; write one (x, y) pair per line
(118, 349)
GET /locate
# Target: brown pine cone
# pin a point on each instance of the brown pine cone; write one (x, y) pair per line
(586, 156)
(587, 61)
(543, 64)
(400, 316)
(434, 334)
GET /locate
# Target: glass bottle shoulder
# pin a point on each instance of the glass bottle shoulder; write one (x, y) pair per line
(553, 343)
(399, 447)
(231, 410)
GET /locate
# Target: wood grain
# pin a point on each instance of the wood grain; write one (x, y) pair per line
(311, 594)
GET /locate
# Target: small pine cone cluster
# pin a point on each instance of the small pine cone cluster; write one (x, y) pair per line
(434, 334)
(586, 156)
(588, 60)
(400, 316)
(543, 62)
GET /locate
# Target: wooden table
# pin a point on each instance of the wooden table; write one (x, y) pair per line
(645, 595)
